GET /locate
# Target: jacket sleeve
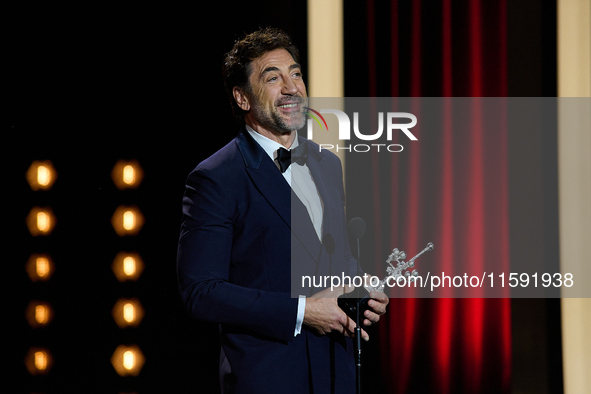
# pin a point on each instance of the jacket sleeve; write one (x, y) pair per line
(203, 265)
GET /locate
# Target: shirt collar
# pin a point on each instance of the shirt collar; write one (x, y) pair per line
(268, 145)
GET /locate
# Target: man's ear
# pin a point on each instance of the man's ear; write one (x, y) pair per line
(241, 98)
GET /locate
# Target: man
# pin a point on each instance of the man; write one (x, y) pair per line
(245, 232)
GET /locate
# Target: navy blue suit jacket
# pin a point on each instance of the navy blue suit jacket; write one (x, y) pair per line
(245, 242)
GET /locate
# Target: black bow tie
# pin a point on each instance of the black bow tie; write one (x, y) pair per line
(297, 155)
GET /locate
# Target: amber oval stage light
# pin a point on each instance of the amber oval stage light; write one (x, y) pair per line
(41, 175)
(41, 221)
(39, 267)
(127, 266)
(128, 360)
(127, 174)
(39, 314)
(38, 361)
(127, 220)
(128, 312)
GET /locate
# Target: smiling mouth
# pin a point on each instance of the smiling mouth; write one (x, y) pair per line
(293, 105)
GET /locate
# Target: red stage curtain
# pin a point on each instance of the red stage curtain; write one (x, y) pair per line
(449, 189)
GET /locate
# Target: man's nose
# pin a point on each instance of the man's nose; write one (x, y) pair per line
(289, 87)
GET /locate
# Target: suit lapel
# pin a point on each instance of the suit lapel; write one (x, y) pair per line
(325, 175)
(303, 229)
(265, 176)
(306, 232)
(270, 182)
(323, 183)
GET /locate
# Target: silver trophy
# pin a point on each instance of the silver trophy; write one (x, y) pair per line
(348, 302)
(402, 267)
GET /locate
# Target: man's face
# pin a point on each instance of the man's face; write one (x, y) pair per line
(277, 93)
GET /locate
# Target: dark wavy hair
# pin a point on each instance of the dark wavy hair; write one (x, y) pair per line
(236, 69)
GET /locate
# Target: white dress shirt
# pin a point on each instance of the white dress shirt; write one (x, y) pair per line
(300, 180)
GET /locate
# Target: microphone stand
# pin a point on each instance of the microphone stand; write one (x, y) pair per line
(356, 229)
(358, 353)
(329, 245)
(358, 320)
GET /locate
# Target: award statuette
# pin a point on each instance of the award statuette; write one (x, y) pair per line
(348, 302)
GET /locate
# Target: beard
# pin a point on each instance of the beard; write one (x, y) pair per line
(273, 120)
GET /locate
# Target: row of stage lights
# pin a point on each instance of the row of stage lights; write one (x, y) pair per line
(40, 267)
(127, 360)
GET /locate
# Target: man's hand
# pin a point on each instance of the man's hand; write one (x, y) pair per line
(324, 315)
(378, 304)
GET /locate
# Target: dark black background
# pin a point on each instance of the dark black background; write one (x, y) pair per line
(89, 85)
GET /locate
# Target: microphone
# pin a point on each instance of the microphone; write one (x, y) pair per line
(357, 228)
